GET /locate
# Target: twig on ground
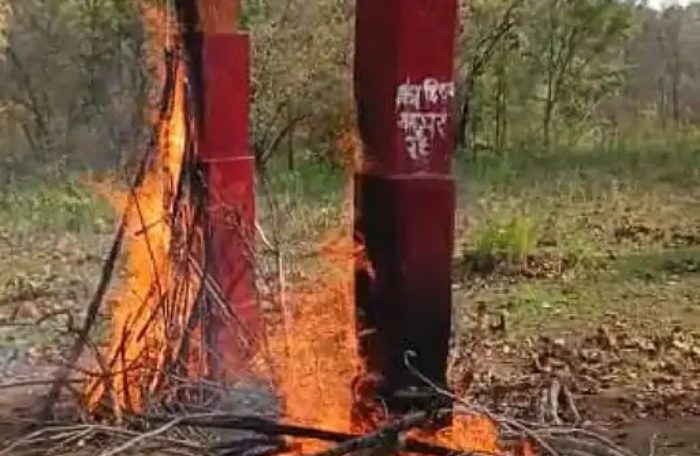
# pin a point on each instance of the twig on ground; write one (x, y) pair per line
(141, 438)
(390, 437)
(604, 448)
(90, 318)
(253, 424)
(652, 444)
(57, 435)
(39, 435)
(586, 447)
(31, 383)
(478, 410)
(553, 399)
(271, 428)
(569, 398)
(589, 434)
(256, 445)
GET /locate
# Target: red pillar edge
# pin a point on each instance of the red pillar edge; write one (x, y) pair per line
(229, 165)
(405, 195)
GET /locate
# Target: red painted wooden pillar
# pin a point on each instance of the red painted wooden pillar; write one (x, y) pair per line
(405, 195)
(230, 168)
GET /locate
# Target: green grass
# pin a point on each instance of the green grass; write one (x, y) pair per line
(514, 237)
(629, 218)
(68, 205)
(670, 161)
(311, 182)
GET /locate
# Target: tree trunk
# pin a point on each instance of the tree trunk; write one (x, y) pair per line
(291, 164)
(661, 102)
(464, 114)
(547, 118)
(501, 114)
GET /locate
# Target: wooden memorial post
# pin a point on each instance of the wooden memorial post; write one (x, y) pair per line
(405, 194)
(229, 164)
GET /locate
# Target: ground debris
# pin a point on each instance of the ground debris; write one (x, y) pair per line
(649, 376)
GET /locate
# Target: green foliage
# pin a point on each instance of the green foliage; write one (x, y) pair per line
(538, 75)
(53, 206)
(5, 12)
(302, 75)
(75, 86)
(513, 237)
(311, 180)
(533, 75)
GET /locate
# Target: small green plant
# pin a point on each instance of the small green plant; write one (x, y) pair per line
(513, 238)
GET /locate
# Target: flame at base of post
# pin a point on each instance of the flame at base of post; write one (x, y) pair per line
(312, 352)
(313, 359)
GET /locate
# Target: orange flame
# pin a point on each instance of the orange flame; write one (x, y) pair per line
(142, 310)
(311, 355)
(138, 320)
(314, 355)
(476, 434)
(315, 359)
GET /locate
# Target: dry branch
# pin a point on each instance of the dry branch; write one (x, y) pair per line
(33, 383)
(90, 318)
(578, 442)
(390, 438)
(348, 442)
(136, 440)
(95, 303)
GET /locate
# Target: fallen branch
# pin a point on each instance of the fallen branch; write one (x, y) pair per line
(346, 440)
(388, 437)
(90, 318)
(584, 447)
(588, 434)
(50, 437)
(554, 393)
(136, 440)
(31, 383)
(569, 398)
(543, 436)
(252, 424)
(469, 408)
(254, 445)
(266, 435)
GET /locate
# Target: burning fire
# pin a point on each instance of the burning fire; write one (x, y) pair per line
(314, 354)
(150, 310)
(311, 355)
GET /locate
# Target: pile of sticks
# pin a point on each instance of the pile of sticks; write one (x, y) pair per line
(193, 297)
(229, 434)
(220, 427)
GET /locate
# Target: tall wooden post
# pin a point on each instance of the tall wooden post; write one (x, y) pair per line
(405, 195)
(229, 165)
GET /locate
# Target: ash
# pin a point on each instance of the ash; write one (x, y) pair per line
(249, 398)
(245, 398)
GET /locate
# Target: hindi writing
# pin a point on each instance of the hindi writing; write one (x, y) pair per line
(423, 114)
